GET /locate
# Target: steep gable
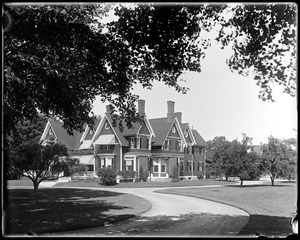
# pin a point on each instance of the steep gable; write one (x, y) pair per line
(198, 139)
(187, 133)
(106, 132)
(60, 133)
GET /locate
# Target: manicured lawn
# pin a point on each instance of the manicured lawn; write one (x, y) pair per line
(147, 184)
(270, 207)
(51, 209)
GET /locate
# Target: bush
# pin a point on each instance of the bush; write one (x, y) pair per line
(200, 176)
(175, 177)
(127, 174)
(107, 176)
(143, 175)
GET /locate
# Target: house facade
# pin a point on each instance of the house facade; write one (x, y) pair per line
(159, 146)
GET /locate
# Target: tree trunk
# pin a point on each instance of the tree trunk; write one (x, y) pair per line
(241, 182)
(272, 180)
(35, 186)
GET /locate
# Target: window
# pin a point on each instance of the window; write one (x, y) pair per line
(109, 162)
(189, 166)
(106, 125)
(129, 165)
(135, 142)
(91, 132)
(102, 165)
(90, 167)
(181, 166)
(190, 150)
(196, 151)
(166, 145)
(178, 145)
(106, 147)
(50, 132)
(200, 166)
(155, 166)
(149, 143)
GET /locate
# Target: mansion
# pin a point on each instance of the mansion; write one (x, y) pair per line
(158, 145)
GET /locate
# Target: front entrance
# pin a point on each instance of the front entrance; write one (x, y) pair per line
(159, 167)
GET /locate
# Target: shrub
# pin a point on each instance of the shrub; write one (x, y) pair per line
(107, 176)
(200, 176)
(127, 174)
(175, 177)
(143, 175)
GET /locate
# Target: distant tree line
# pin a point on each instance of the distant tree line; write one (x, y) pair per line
(238, 159)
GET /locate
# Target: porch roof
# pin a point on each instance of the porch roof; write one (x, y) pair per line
(87, 159)
(106, 139)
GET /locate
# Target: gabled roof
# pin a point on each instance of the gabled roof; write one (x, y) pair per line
(161, 128)
(199, 140)
(72, 141)
(116, 130)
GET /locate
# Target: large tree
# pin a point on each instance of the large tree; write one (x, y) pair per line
(41, 162)
(57, 58)
(23, 132)
(276, 161)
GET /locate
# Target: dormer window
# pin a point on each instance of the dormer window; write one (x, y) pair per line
(106, 126)
(135, 142)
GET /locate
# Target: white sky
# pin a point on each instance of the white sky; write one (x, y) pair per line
(221, 103)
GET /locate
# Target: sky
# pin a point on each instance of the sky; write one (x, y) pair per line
(221, 103)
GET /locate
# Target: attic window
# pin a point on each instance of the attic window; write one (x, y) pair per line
(173, 130)
(106, 126)
(91, 132)
(50, 132)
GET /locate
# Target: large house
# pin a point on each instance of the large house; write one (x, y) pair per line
(159, 146)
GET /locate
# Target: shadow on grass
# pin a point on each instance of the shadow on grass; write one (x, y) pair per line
(268, 226)
(191, 224)
(50, 210)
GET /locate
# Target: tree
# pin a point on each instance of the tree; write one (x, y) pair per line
(247, 167)
(219, 157)
(275, 160)
(39, 163)
(23, 132)
(57, 58)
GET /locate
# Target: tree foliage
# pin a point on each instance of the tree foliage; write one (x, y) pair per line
(58, 58)
(39, 163)
(276, 161)
(23, 132)
(232, 159)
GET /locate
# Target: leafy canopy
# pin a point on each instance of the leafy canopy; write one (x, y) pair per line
(58, 58)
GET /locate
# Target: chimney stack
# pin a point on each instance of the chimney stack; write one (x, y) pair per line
(179, 116)
(141, 107)
(171, 106)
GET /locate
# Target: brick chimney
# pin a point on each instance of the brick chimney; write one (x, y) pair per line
(141, 107)
(171, 106)
(179, 116)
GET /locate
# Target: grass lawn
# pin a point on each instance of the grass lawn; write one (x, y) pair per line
(147, 184)
(51, 210)
(270, 207)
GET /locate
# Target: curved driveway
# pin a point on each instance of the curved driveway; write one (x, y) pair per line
(172, 215)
